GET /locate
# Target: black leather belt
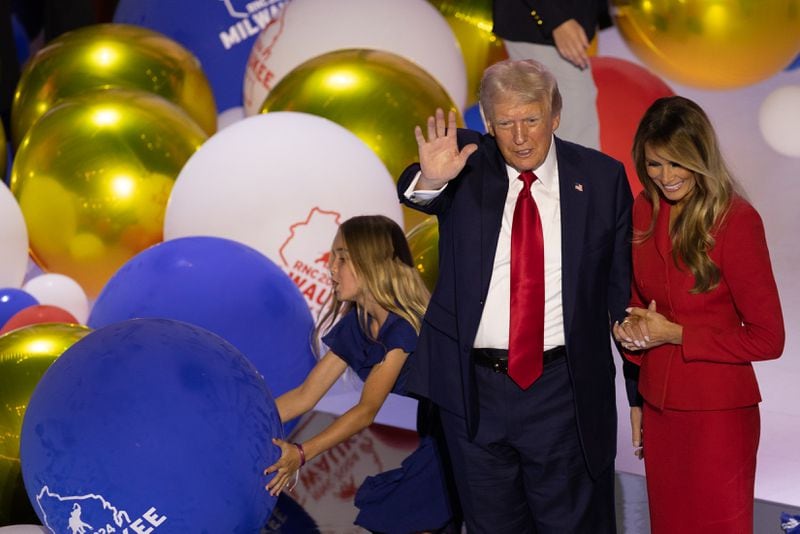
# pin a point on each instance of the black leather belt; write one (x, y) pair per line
(497, 359)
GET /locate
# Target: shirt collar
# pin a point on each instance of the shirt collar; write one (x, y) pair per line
(547, 172)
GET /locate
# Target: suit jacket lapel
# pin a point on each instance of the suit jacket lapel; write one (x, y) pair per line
(575, 190)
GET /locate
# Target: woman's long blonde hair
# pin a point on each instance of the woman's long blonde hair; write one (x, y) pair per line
(384, 267)
(680, 131)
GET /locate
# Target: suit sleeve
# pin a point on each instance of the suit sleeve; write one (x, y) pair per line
(619, 289)
(434, 207)
(746, 269)
(552, 14)
(439, 204)
(620, 277)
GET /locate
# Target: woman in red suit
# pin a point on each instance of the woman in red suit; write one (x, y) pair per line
(704, 307)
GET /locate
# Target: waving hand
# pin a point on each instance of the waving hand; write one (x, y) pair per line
(439, 156)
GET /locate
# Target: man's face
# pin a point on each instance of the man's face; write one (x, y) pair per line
(523, 132)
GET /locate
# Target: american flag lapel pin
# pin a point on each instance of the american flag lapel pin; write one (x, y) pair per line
(579, 187)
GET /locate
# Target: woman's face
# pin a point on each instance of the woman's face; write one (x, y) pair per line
(345, 282)
(676, 183)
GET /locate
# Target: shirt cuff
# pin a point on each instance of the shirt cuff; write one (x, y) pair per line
(422, 196)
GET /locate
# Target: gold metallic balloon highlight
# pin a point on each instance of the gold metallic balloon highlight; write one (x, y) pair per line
(25, 354)
(111, 56)
(379, 96)
(712, 44)
(471, 21)
(93, 177)
(423, 240)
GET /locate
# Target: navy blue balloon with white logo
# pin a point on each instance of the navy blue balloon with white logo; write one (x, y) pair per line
(150, 425)
(220, 33)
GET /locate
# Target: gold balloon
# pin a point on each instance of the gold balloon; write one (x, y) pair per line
(25, 354)
(93, 176)
(423, 240)
(380, 97)
(472, 21)
(713, 44)
(111, 56)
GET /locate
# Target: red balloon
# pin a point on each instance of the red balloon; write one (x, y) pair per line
(39, 313)
(624, 92)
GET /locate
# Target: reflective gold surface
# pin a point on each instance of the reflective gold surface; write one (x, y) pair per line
(378, 96)
(107, 56)
(714, 44)
(471, 21)
(423, 240)
(25, 355)
(93, 176)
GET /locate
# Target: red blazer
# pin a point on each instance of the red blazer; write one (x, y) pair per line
(724, 330)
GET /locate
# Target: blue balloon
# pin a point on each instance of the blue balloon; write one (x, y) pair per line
(219, 32)
(473, 119)
(13, 300)
(21, 42)
(225, 287)
(150, 425)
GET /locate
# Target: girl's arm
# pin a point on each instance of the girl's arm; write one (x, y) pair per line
(304, 397)
(379, 383)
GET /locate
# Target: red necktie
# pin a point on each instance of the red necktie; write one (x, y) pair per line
(526, 336)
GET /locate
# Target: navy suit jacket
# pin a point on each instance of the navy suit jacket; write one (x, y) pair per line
(533, 21)
(596, 266)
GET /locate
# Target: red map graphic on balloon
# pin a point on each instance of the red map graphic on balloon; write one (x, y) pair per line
(305, 253)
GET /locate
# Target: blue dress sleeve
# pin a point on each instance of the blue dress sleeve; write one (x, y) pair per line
(399, 334)
(345, 339)
(348, 341)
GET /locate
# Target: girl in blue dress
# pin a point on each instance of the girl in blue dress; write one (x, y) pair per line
(372, 321)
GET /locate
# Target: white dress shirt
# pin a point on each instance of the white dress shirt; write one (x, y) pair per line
(493, 330)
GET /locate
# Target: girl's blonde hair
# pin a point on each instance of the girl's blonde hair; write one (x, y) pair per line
(384, 267)
(680, 131)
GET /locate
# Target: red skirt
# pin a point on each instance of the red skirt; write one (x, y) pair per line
(701, 468)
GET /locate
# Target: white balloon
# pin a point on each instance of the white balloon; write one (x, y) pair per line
(412, 29)
(13, 241)
(778, 119)
(229, 116)
(62, 291)
(24, 529)
(281, 183)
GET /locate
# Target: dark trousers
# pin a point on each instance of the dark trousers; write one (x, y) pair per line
(525, 472)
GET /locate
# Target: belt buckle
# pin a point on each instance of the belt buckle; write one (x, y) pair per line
(497, 366)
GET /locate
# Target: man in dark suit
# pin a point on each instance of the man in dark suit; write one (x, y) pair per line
(527, 458)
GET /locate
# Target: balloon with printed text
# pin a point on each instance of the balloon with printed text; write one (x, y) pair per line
(150, 425)
(310, 28)
(219, 32)
(290, 179)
